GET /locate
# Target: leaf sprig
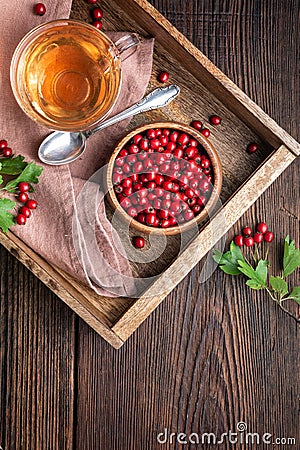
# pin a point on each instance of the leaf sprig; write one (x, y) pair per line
(16, 170)
(234, 262)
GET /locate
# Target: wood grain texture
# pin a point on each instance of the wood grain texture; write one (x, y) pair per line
(37, 362)
(212, 354)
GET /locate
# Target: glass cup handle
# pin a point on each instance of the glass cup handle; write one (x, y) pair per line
(125, 43)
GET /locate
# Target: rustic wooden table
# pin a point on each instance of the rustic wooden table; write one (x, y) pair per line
(211, 355)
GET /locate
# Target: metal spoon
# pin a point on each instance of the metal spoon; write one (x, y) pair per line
(63, 147)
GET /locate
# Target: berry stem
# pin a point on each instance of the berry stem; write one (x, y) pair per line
(253, 256)
(257, 252)
(271, 295)
(297, 319)
(267, 253)
(287, 298)
(11, 190)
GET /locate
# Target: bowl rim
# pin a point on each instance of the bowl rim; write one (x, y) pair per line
(217, 171)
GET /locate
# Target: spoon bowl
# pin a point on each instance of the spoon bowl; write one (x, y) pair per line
(62, 148)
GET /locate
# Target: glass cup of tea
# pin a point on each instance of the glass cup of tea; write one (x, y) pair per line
(66, 74)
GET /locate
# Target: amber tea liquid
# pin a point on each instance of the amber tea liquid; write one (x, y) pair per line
(70, 76)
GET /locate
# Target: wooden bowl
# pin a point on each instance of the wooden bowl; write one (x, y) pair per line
(217, 179)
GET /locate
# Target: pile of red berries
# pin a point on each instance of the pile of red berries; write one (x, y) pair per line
(248, 238)
(29, 204)
(162, 177)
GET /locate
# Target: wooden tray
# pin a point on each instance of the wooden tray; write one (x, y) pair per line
(204, 90)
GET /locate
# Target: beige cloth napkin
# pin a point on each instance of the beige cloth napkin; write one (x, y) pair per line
(49, 231)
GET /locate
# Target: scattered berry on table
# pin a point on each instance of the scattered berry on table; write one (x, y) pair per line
(205, 132)
(138, 241)
(97, 13)
(215, 120)
(98, 24)
(197, 125)
(252, 148)
(39, 9)
(163, 77)
(92, 2)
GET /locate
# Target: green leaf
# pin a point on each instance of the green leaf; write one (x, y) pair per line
(279, 285)
(295, 294)
(258, 276)
(236, 252)
(226, 262)
(291, 257)
(6, 218)
(254, 284)
(262, 270)
(1, 179)
(12, 166)
(229, 261)
(30, 175)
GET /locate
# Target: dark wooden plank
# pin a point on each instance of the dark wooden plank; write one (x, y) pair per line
(37, 362)
(212, 354)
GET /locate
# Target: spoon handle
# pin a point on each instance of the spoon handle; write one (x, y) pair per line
(156, 99)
